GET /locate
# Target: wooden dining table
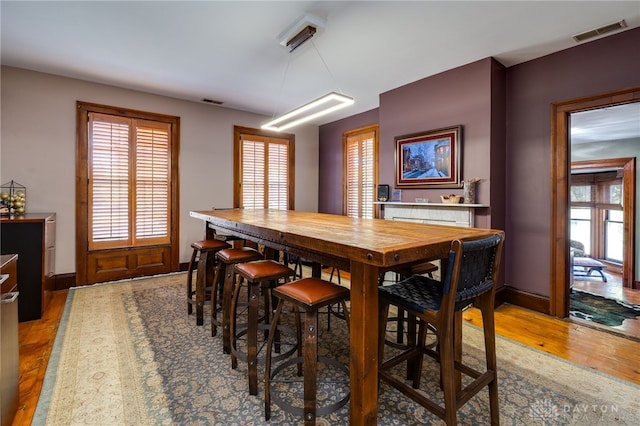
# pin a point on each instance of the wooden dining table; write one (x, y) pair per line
(364, 247)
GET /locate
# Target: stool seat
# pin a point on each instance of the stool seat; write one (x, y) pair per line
(239, 254)
(209, 245)
(263, 270)
(203, 260)
(311, 293)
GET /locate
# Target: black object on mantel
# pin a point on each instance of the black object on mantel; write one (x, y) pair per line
(32, 237)
(383, 193)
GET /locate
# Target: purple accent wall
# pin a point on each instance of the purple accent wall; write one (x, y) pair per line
(506, 115)
(604, 65)
(471, 95)
(459, 96)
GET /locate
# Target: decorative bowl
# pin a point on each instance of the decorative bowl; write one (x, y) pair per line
(451, 199)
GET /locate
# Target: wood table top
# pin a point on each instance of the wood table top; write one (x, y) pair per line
(372, 241)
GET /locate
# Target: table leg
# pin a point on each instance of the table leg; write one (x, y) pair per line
(364, 344)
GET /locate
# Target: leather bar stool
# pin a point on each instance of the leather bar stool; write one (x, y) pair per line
(307, 295)
(203, 260)
(225, 278)
(259, 276)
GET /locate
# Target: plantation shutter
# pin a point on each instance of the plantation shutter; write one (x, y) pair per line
(152, 180)
(129, 181)
(253, 166)
(278, 172)
(360, 174)
(264, 172)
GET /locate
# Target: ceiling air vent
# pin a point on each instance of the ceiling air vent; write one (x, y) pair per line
(600, 31)
(211, 101)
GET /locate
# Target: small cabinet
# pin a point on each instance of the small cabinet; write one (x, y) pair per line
(32, 237)
(9, 355)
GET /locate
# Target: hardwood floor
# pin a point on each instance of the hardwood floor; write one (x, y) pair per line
(605, 352)
(36, 340)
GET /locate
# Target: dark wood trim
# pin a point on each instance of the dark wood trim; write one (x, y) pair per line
(560, 170)
(238, 131)
(523, 299)
(83, 274)
(64, 281)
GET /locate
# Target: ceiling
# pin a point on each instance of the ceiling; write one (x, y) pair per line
(619, 122)
(230, 52)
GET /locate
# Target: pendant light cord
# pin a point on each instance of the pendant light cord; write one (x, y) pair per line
(284, 77)
(335, 82)
(286, 71)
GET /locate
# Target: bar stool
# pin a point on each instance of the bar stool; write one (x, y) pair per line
(307, 295)
(260, 275)
(202, 256)
(470, 278)
(225, 278)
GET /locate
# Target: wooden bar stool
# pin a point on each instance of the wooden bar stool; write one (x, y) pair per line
(225, 279)
(307, 295)
(261, 275)
(471, 276)
(203, 257)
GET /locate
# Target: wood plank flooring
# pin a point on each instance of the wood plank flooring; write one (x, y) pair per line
(36, 340)
(605, 352)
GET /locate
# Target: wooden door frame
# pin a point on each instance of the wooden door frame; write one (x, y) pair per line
(560, 172)
(102, 265)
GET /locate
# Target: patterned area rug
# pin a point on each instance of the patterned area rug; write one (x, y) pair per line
(601, 310)
(128, 354)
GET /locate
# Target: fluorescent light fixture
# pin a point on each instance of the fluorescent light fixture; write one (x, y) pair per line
(328, 103)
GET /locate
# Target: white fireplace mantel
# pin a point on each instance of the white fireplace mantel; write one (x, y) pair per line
(432, 213)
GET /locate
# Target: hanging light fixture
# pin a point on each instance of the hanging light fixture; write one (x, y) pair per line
(303, 30)
(328, 103)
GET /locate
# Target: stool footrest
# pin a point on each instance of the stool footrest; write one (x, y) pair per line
(320, 410)
(242, 356)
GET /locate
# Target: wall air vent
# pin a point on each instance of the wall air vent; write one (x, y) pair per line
(600, 31)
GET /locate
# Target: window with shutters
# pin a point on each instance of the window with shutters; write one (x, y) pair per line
(127, 193)
(361, 171)
(129, 181)
(264, 169)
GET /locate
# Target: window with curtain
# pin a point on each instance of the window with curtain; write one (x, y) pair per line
(264, 170)
(361, 171)
(129, 181)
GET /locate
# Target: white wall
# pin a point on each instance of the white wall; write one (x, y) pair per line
(38, 146)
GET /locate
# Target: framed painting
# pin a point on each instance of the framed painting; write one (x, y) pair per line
(429, 159)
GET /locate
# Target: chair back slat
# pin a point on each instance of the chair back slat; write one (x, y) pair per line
(476, 263)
